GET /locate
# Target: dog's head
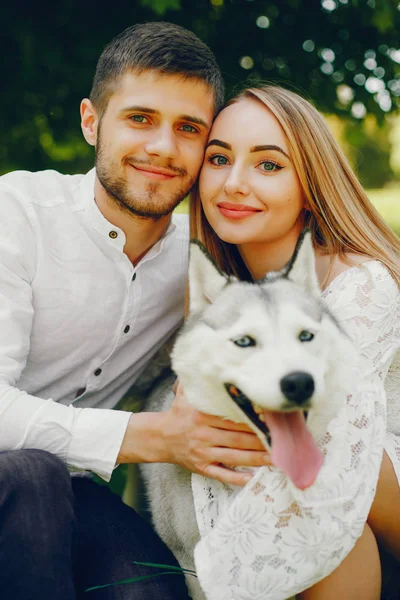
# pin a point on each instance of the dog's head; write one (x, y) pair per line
(267, 354)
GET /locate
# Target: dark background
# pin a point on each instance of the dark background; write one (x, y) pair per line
(50, 49)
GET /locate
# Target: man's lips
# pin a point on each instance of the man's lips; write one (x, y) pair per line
(158, 173)
(236, 211)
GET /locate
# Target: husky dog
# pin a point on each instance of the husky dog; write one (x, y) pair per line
(268, 354)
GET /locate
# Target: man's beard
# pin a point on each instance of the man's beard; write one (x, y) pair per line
(149, 204)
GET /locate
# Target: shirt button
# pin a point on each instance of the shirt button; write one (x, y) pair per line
(113, 234)
(134, 277)
(127, 328)
(97, 372)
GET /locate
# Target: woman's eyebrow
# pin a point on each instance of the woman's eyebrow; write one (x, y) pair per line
(268, 147)
(222, 144)
(219, 143)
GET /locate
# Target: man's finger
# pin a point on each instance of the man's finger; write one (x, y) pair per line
(220, 423)
(228, 476)
(176, 386)
(231, 425)
(239, 440)
(240, 458)
(210, 420)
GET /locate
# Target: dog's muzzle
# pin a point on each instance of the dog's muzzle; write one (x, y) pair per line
(246, 406)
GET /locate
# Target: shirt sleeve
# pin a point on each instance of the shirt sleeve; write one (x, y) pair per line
(274, 540)
(83, 438)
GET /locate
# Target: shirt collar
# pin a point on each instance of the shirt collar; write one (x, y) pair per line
(113, 234)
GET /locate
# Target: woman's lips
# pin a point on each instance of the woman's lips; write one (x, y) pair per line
(236, 211)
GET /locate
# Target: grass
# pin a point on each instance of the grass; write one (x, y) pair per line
(386, 201)
(183, 207)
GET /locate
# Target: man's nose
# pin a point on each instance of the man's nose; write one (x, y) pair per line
(163, 143)
(236, 182)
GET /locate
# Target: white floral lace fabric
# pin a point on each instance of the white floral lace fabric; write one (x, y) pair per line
(272, 540)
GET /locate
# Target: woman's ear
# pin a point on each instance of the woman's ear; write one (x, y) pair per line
(89, 121)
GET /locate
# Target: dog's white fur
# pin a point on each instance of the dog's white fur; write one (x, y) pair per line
(205, 358)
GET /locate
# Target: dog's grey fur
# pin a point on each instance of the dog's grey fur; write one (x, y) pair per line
(205, 358)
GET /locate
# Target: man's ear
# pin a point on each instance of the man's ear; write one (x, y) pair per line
(89, 121)
(206, 281)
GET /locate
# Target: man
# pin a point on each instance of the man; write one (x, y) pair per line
(92, 278)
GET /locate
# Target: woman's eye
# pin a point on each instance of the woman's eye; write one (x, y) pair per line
(245, 341)
(218, 160)
(188, 128)
(306, 336)
(269, 166)
(139, 118)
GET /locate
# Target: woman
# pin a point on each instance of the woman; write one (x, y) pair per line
(271, 168)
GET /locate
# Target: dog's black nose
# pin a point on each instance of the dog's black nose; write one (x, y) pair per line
(297, 387)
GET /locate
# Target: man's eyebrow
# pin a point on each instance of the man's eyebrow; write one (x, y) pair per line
(152, 111)
(144, 109)
(196, 120)
(268, 147)
(219, 143)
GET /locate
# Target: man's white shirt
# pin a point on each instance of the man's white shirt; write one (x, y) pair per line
(78, 323)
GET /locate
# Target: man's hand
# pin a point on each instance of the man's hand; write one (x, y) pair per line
(198, 442)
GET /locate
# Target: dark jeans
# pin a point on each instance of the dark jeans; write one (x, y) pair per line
(60, 535)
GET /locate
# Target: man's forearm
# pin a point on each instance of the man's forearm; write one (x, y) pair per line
(85, 438)
(144, 441)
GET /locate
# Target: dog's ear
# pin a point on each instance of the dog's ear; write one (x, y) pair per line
(301, 268)
(206, 280)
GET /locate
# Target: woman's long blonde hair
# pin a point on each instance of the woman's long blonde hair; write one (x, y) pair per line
(340, 216)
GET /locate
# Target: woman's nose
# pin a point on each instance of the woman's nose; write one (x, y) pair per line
(236, 183)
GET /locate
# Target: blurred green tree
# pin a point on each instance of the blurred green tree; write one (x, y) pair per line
(368, 148)
(343, 54)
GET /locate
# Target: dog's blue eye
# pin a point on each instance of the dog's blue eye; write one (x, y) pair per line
(245, 342)
(306, 336)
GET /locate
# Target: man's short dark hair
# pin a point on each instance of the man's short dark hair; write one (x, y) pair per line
(157, 46)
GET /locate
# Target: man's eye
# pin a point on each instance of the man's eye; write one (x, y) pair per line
(269, 166)
(218, 160)
(189, 128)
(306, 336)
(139, 119)
(245, 341)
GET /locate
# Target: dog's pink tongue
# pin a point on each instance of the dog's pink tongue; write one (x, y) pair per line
(293, 447)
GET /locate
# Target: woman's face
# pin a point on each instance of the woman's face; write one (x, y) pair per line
(249, 189)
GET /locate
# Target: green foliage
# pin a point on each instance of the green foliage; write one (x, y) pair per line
(118, 480)
(160, 7)
(387, 202)
(369, 149)
(50, 51)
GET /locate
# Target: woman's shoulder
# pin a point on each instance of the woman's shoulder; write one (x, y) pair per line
(365, 299)
(357, 268)
(360, 283)
(364, 289)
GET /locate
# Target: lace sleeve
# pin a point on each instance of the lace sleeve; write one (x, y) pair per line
(272, 540)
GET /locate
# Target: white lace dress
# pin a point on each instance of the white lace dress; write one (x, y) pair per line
(271, 540)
